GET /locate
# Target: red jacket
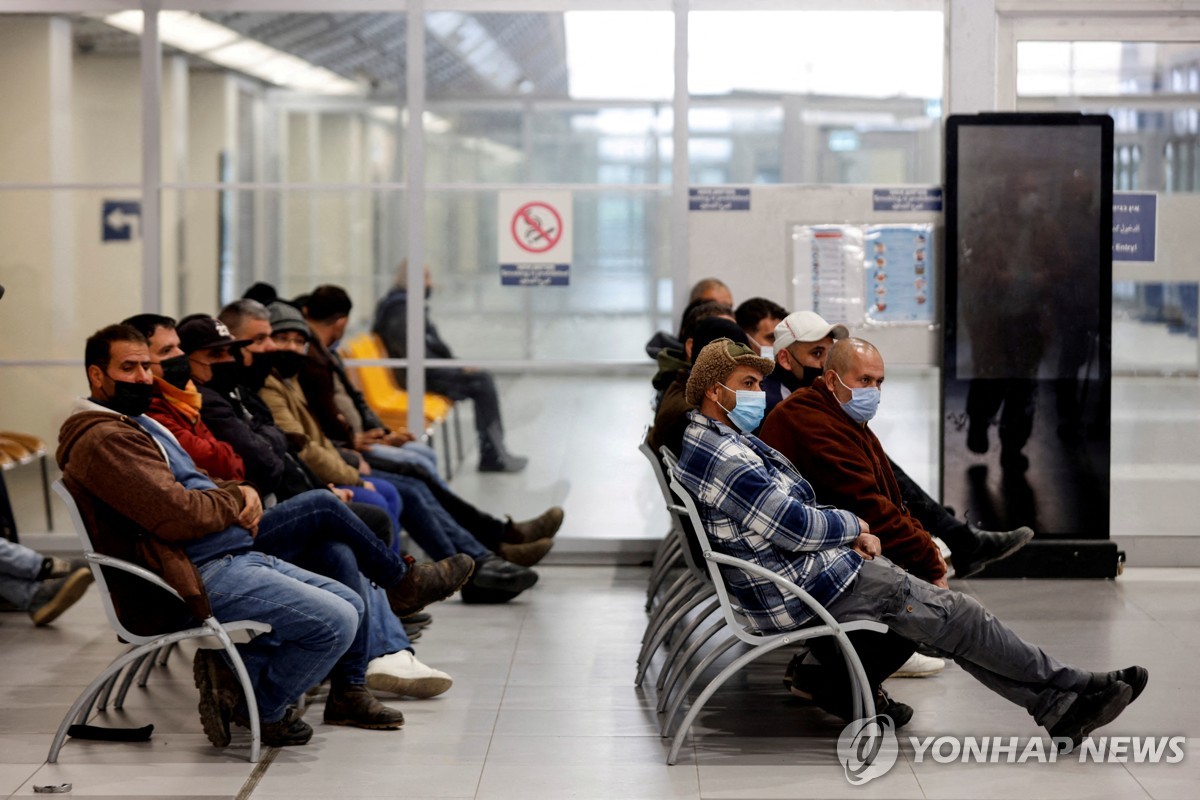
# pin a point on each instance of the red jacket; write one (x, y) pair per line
(215, 457)
(846, 465)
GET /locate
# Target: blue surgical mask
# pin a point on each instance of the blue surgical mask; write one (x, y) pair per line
(748, 410)
(864, 402)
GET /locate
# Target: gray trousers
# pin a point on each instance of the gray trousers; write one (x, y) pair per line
(964, 630)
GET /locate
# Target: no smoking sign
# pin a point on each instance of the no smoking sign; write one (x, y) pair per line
(536, 227)
(534, 238)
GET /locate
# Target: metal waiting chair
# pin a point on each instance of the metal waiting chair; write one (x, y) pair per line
(761, 642)
(390, 402)
(140, 655)
(691, 590)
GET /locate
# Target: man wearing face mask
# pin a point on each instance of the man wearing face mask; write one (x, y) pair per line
(759, 317)
(801, 341)
(176, 403)
(671, 418)
(824, 431)
(757, 507)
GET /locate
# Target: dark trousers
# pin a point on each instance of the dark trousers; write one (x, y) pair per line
(479, 388)
(932, 515)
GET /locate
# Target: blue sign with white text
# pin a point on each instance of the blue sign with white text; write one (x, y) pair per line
(120, 221)
(913, 198)
(1135, 223)
(718, 198)
(535, 274)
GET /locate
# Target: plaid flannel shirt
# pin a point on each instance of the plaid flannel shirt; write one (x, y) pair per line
(756, 507)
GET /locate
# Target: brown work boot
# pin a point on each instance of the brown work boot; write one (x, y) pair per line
(531, 530)
(526, 555)
(220, 692)
(356, 706)
(428, 583)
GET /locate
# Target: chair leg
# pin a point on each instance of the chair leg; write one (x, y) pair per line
(446, 457)
(458, 437)
(710, 690)
(239, 669)
(130, 674)
(679, 668)
(165, 653)
(151, 662)
(85, 698)
(681, 641)
(692, 599)
(46, 495)
(691, 679)
(680, 591)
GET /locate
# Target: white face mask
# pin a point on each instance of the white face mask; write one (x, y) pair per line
(767, 351)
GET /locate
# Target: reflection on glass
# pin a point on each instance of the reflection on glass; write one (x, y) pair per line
(1027, 389)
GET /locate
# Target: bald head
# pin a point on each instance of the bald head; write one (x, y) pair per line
(846, 352)
(711, 289)
(852, 364)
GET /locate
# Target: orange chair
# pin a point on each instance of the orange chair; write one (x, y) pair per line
(385, 396)
(17, 449)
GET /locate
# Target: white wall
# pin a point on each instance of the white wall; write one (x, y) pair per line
(752, 252)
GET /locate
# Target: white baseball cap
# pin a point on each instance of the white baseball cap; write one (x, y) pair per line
(806, 326)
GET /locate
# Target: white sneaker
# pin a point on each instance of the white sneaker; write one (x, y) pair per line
(401, 673)
(917, 666)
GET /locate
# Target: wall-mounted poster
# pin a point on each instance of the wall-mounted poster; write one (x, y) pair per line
(899, 268)
(828, 271)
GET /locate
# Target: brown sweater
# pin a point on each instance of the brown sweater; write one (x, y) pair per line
(846, 465)
(134, 509)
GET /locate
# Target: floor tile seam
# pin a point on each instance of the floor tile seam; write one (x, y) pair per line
(500, 706)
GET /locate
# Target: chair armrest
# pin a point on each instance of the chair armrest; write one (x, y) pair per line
(133, 569)
(783, 583)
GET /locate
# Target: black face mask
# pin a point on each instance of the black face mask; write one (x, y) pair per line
(254, 376)
(225, 376)
(130, 399)
(176, 371)
(288, 363)
(795, 383)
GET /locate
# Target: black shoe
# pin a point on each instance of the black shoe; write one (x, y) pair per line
(473, 595)
(989, 546)
(504, 463)
(357, 707)
(901, 713)
(428, 583)
(287, 732)
(1135, 677)
(1091, 711)
(801, 679)
(421, 619)
(496, 573)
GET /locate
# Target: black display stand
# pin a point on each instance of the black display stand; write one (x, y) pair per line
(1026, 373)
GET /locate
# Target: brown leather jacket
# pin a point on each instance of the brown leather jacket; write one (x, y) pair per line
(135, 509)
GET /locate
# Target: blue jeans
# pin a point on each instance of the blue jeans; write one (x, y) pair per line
(316, 531)
(19, 568)
(313, 621)
(959, 626)
(385, 633)
(430, 525)
(419, 455)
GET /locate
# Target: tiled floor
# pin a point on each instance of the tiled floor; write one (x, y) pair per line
(544, 708)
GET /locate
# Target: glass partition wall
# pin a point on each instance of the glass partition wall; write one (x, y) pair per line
(167, 156)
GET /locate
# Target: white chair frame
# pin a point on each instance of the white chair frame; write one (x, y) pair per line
(761, 643)
(142, 649)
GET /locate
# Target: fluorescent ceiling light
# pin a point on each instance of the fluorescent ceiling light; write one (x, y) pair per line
(193, 34)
